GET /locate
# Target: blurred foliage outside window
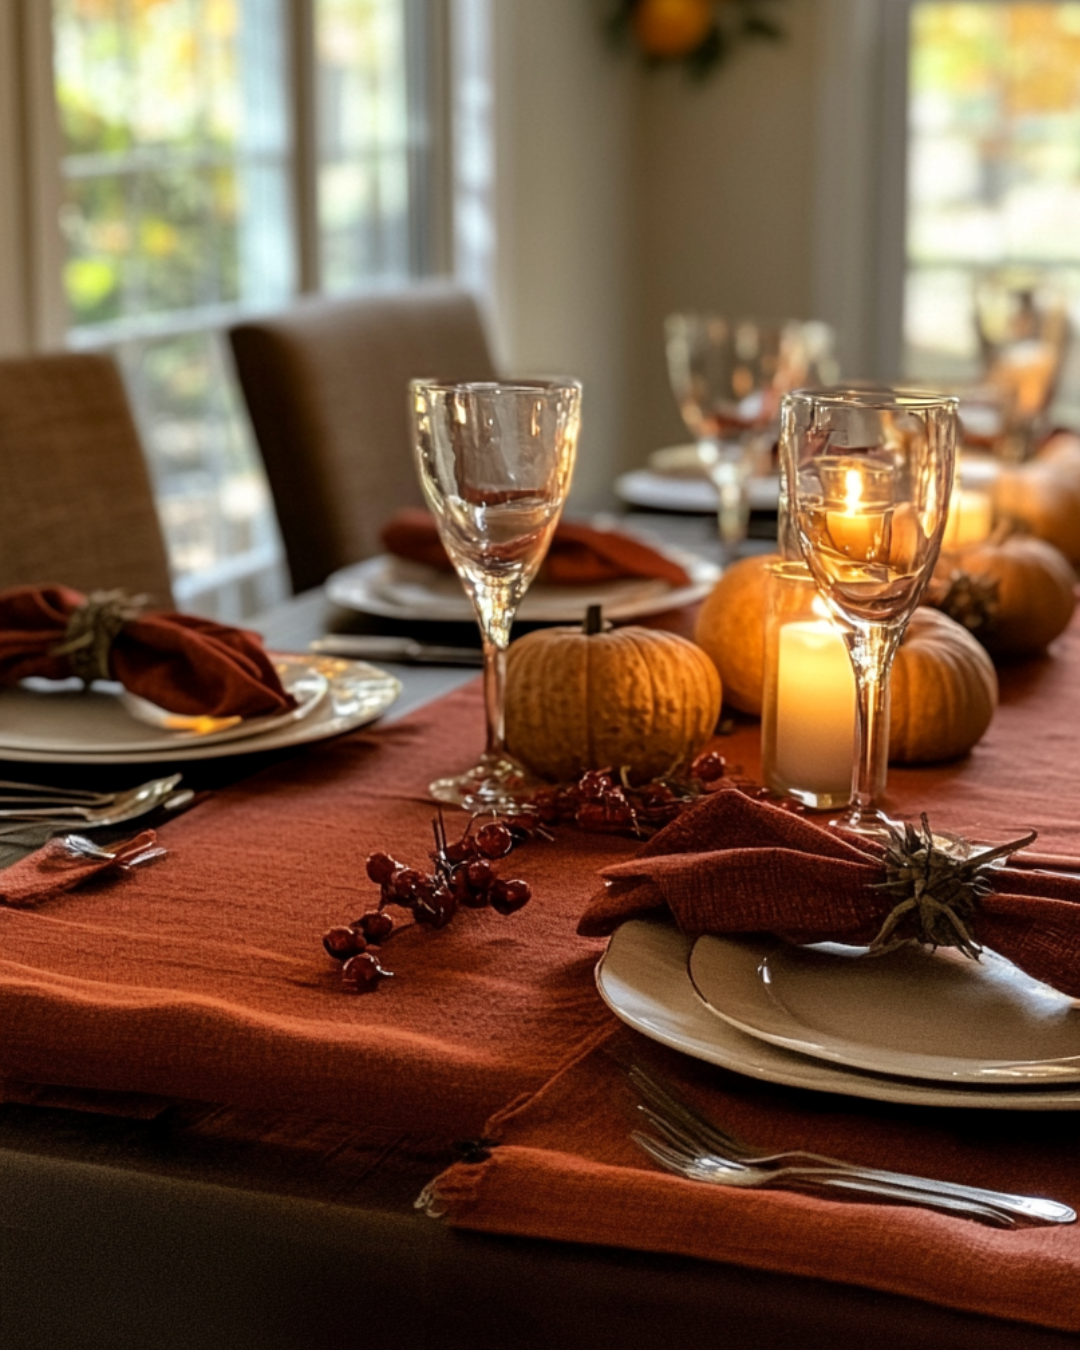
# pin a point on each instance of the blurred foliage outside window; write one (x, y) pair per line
(180, 212)
(993, 166)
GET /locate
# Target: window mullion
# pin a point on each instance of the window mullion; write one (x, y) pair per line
(44, 249)
(305, 155)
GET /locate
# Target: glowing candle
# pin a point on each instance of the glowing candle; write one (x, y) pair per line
(971, 518)
(815, 709)
(855, 531)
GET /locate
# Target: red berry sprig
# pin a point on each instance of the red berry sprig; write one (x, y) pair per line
(463, 874)
(596, 802)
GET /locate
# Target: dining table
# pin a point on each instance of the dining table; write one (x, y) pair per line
(206, 1142)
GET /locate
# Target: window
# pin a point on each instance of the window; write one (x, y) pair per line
(993, 166)
(218, 157)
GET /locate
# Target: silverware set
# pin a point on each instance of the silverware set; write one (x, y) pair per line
(694, 1147)
(25, 803)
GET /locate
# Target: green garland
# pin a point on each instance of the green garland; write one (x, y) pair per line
(734, 22)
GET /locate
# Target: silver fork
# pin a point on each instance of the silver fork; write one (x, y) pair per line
(122, 806)
(689, 1131)
(832, 1182)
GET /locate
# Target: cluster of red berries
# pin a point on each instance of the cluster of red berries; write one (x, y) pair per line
(596, 802)
(463, 874)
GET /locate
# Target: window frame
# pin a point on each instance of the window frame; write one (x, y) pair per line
(32, 250)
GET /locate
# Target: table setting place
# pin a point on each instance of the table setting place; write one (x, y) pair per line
(750, 934)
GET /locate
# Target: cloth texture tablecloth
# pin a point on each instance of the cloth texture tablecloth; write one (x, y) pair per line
(203, 977)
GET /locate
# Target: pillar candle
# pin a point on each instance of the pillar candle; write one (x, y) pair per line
(971, 518)
(815, 708)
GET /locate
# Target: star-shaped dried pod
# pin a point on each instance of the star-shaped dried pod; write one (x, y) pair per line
(938, 889)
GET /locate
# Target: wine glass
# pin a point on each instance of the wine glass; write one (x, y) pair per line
(869, 474)
(728, 376)
(495, 462)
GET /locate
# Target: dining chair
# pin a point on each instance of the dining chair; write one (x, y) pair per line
(76, 504)
(326, 386)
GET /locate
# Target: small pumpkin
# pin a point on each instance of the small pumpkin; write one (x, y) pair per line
(578, 699)
(1035, 595)
(1043, 501)
(731, 628)
(943, 691)
(1061, 453)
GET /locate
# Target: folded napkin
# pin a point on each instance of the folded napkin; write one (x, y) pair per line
(579, 555)
(733, 864)
(182, 663)
(55, 868)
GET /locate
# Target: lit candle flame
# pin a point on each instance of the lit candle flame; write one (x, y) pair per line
(820, 608)
(853, 491)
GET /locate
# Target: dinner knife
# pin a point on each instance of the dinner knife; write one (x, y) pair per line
(406, 650)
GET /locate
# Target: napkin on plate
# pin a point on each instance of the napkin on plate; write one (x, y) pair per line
(54, 868)
(177, 661)
(732, 864)
(579, 554)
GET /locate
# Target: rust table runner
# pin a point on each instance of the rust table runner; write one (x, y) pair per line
(203, 978)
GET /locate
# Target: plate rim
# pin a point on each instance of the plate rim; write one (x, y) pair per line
(317, 727)
(180, 740)
(338, 588)
(916, 1065)
(794, 1070)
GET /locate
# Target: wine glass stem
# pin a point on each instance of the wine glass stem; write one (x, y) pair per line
(495, 696)
(872, 648)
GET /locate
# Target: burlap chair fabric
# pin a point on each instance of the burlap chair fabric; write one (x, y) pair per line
(326, 386)
(76, 505)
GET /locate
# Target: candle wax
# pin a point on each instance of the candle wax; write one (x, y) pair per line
(815, 708)
(971, 518)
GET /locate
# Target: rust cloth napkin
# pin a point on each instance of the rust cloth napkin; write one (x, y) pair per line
(177, 661)
(732, 864)
(579, 555)
(563, 1167)
(53, 869)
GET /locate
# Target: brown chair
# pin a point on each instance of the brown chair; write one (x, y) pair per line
(76, 505)
(326, 386)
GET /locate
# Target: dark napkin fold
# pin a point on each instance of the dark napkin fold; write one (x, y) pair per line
(179, 662)
(732, 864)
(579, 554)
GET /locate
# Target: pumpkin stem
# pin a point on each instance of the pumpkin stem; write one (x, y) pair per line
(594, 621)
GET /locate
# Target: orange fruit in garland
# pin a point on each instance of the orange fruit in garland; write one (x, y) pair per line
(670, 29)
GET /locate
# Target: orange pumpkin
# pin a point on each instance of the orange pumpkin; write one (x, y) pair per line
(630, 698)
(943, 691)
(1035, 593)
(1037, 498)
(731, 628)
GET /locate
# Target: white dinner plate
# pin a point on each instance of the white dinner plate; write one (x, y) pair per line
(643, 979)
(675, 492)
(914, 1012)
(397, 589)
(63, 716)
(355, 694)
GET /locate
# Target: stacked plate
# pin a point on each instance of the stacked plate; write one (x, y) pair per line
(61, 723)
(926, 1028)
(676, 481)
(396, 589)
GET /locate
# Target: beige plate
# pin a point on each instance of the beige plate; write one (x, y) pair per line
(643, 979)
(402, 590)
(84, 728)
(914, 1012)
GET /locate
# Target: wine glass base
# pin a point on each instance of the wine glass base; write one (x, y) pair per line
(497, 784)
(867, 821)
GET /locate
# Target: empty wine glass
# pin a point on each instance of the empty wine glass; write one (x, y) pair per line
(495, 462)
(728, 376)
(868, 475)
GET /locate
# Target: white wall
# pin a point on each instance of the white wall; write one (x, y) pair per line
(623, 194)
(567, 292)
